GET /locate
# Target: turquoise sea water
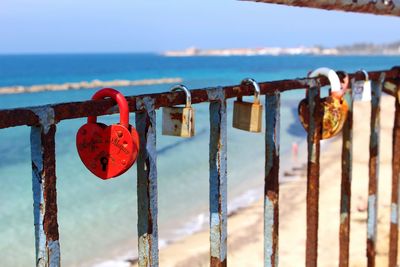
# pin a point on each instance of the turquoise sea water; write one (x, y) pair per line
(97, 219)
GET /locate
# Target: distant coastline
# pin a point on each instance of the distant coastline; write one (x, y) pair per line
(355, 49)
(84, 85)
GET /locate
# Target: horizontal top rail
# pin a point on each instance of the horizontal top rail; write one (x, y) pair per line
(50, 114)
(381, 7)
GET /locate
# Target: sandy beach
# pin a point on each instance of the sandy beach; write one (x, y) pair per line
(245, 227)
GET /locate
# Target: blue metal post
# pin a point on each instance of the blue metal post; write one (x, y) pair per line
(271, 199)
(218, 178)
(147, 184)
(44, 190)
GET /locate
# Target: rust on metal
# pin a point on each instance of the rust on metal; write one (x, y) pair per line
(380, 7)
(314, 134)
(218, 178)
(345, 193)
(394, 215)
(178, 121)
(147, 184)
(73, 110)
(45, 195)
(373, 170)
(271, 199)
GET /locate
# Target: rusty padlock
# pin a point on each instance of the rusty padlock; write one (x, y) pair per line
(361, 90)
(179, 121)
(108, 151)
(334, 106)
(248, 116)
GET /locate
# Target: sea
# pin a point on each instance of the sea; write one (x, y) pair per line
(98, 219)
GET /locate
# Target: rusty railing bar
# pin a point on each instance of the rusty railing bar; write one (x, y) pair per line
(45, 195)
(345, 194)
(394, 218)
(271, 199)
(313, 141)
(147, 185)
(373, 171)
(379, 7)
(74, 110)
(218, 178)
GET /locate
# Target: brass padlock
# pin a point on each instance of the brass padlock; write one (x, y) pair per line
(179, 121)
(248, 116)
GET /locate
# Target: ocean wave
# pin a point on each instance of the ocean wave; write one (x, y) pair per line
(18, 89)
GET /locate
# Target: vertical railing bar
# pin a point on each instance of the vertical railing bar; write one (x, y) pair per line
(218, 178)
(373, 170)
(313, 142)
(394, 218)
(271, 199)
(44, 190)
(147, 184)
(345, 194)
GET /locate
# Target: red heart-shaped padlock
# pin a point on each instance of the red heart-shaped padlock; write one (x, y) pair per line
(108, 151)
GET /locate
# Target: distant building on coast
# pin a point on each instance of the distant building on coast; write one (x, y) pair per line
(274, 51)
(355, 49)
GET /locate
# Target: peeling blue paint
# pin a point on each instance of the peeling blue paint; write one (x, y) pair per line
(45, 115)
(272, 146)
(47, 251)
(38, 199)
(268, 231)
(147, 184)
(218, 174)
(372, 217)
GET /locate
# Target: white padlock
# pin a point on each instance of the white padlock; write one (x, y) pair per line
(362, 89)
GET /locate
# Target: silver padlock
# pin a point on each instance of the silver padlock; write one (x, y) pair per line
(179, 121)
(361, 90)
(248, 116)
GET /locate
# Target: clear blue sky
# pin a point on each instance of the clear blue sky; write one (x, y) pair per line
(76, 26)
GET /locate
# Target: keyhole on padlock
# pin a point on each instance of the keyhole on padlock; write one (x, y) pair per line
(103, 162)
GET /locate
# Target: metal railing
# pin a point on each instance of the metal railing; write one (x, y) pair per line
(379, 7)
(43, 120)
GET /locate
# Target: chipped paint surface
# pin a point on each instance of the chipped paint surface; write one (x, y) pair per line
(147, 184)
(271, 191)
(218, 178)
(45, 115)
(44, 196)
(371, 224)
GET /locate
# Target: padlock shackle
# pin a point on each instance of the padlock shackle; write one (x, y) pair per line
(330, 74)
(366, 76)
(256, 87)
(180, 87)
(121, 101)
